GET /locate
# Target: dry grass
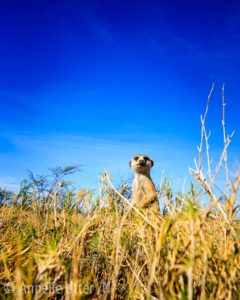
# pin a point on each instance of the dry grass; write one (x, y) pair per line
(112, 253)
(55, 244)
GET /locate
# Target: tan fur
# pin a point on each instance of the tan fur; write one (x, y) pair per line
(144, 191)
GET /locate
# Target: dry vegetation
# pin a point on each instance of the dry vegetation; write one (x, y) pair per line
(56, 244)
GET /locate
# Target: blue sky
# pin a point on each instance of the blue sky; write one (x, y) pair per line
(94, 82)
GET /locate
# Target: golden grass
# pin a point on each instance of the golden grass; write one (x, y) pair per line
(55, 244)
(111, 252)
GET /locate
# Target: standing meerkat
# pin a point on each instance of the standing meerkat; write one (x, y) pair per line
(144, 191)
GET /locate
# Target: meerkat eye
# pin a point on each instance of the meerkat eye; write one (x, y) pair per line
(145, 158)
(136, 157)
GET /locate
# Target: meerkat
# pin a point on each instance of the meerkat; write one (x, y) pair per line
(144, 191)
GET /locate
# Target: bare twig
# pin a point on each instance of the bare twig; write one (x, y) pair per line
(203, 132)
(229, 138)
(225, 138)
(200, 177)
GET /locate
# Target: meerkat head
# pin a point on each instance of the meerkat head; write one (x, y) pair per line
(141, 164)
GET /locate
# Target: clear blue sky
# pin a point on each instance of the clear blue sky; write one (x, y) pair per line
(94, 82)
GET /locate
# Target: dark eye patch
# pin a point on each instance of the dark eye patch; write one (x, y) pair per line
(145, 158)
(136, 157)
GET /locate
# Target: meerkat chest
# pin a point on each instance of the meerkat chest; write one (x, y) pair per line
(142, 185)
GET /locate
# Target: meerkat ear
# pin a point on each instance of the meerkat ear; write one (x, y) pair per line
(130, 163)
(152, 162)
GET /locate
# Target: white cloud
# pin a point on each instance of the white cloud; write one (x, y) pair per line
(95, 156)
(10, 183)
